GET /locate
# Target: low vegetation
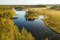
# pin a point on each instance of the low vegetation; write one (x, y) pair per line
(31, 14)
(9, 31)
(52, 19)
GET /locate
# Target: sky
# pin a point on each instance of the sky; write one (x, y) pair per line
(28, 2)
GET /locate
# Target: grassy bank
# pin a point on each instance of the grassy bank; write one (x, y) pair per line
(52, 19)
(9, 31)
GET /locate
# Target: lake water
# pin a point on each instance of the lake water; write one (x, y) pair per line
(37, 27)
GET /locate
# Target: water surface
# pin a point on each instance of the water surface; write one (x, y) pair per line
(36, 26)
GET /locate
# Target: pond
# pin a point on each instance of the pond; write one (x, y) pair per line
(36, 26)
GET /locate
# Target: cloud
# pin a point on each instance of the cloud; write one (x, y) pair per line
(28, 2)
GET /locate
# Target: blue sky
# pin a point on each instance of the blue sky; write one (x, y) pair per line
(29, 2)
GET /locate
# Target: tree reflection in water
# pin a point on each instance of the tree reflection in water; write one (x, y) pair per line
(29, 19)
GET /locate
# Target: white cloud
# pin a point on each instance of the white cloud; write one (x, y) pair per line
(28, 2)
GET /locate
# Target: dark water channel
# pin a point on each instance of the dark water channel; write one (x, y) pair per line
(36, 26)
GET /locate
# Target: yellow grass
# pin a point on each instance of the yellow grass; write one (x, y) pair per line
(52, 18)
(9, 31)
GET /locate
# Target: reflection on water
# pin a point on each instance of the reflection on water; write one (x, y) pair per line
(29, 19)
(35, 26)
(41, 16)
